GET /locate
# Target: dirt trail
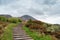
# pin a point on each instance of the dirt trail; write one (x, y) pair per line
(20, 34)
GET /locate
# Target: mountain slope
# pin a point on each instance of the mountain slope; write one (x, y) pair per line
(7, 16)
(27, 17)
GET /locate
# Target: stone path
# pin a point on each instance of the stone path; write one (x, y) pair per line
(20, 34)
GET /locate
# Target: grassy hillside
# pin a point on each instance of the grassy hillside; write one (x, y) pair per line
(43, 28)
(6, 26)
(37, 36)
(38, 30)
(7, 35)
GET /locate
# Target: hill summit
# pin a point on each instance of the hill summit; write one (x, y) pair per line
(27, 17)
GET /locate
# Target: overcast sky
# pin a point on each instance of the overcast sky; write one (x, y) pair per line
(44, 10)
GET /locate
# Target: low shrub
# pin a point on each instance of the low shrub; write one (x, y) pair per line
(14, 20)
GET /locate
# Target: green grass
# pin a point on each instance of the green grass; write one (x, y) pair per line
(35, 35)
(7, 35)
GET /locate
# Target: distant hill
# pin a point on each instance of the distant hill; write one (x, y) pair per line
(7, 16)
(27, 17)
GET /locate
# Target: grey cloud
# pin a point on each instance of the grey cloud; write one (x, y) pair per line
(50, 2)
(47, 2)
(35, 11)
(6, 2)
